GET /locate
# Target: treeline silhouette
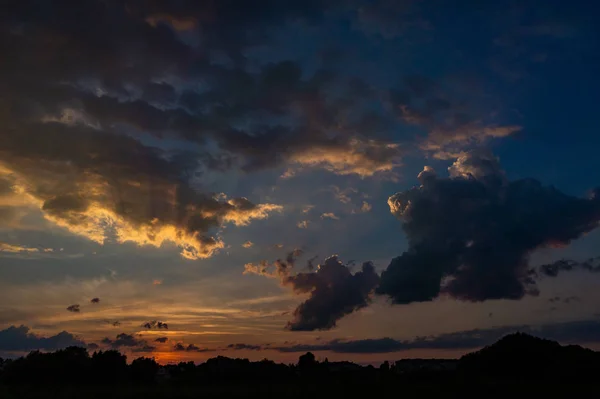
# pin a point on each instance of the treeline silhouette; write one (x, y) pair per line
(515, 365)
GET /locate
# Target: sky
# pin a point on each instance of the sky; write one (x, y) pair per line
(367, 180)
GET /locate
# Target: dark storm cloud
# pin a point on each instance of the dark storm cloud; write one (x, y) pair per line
(21, 339)
(74, 308)
(83, 169)
(586, 331)
(162, 340)
(334, 293)
(118, 78)
(179, 347)
(470, 234)
(334, 290)
(155, 324)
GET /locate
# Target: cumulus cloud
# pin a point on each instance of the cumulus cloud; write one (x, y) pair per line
(248, 244)
(22, 339)
(162, 340)
(155, 324)
(179, 347)
(334, 293)
(307, 208)
(95, 300)
(74, 308)
(365, 207)
(343, 195)
(303, 224)
(333, 290)
(470, 234)
(329, 215)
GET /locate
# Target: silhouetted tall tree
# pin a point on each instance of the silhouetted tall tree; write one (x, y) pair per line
(144, 369)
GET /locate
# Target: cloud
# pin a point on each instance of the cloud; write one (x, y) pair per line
(130, 342)
(15, 249)
(333, 290)
(334, 293)
(566, 300)
(162, 340)
(248, 244)
(74, 308)
(303, 224)
(95, 300)
(155, 324)
(452, 124)
(146, 81)
(21, 339)
(126, 192)
(179, 347)
(359, 157)
(447, 143)
(329, 215)
(566, 265)
(112, 86)
(366, 207)
(278, 269)
(307, 208)
(585, 331)
(470, 234)
(244, 347)
(343, 195)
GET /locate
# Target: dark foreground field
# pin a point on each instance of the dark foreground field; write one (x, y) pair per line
(432, 389)
(516, 366)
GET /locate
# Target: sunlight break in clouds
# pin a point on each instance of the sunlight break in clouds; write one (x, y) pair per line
(91, 211)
